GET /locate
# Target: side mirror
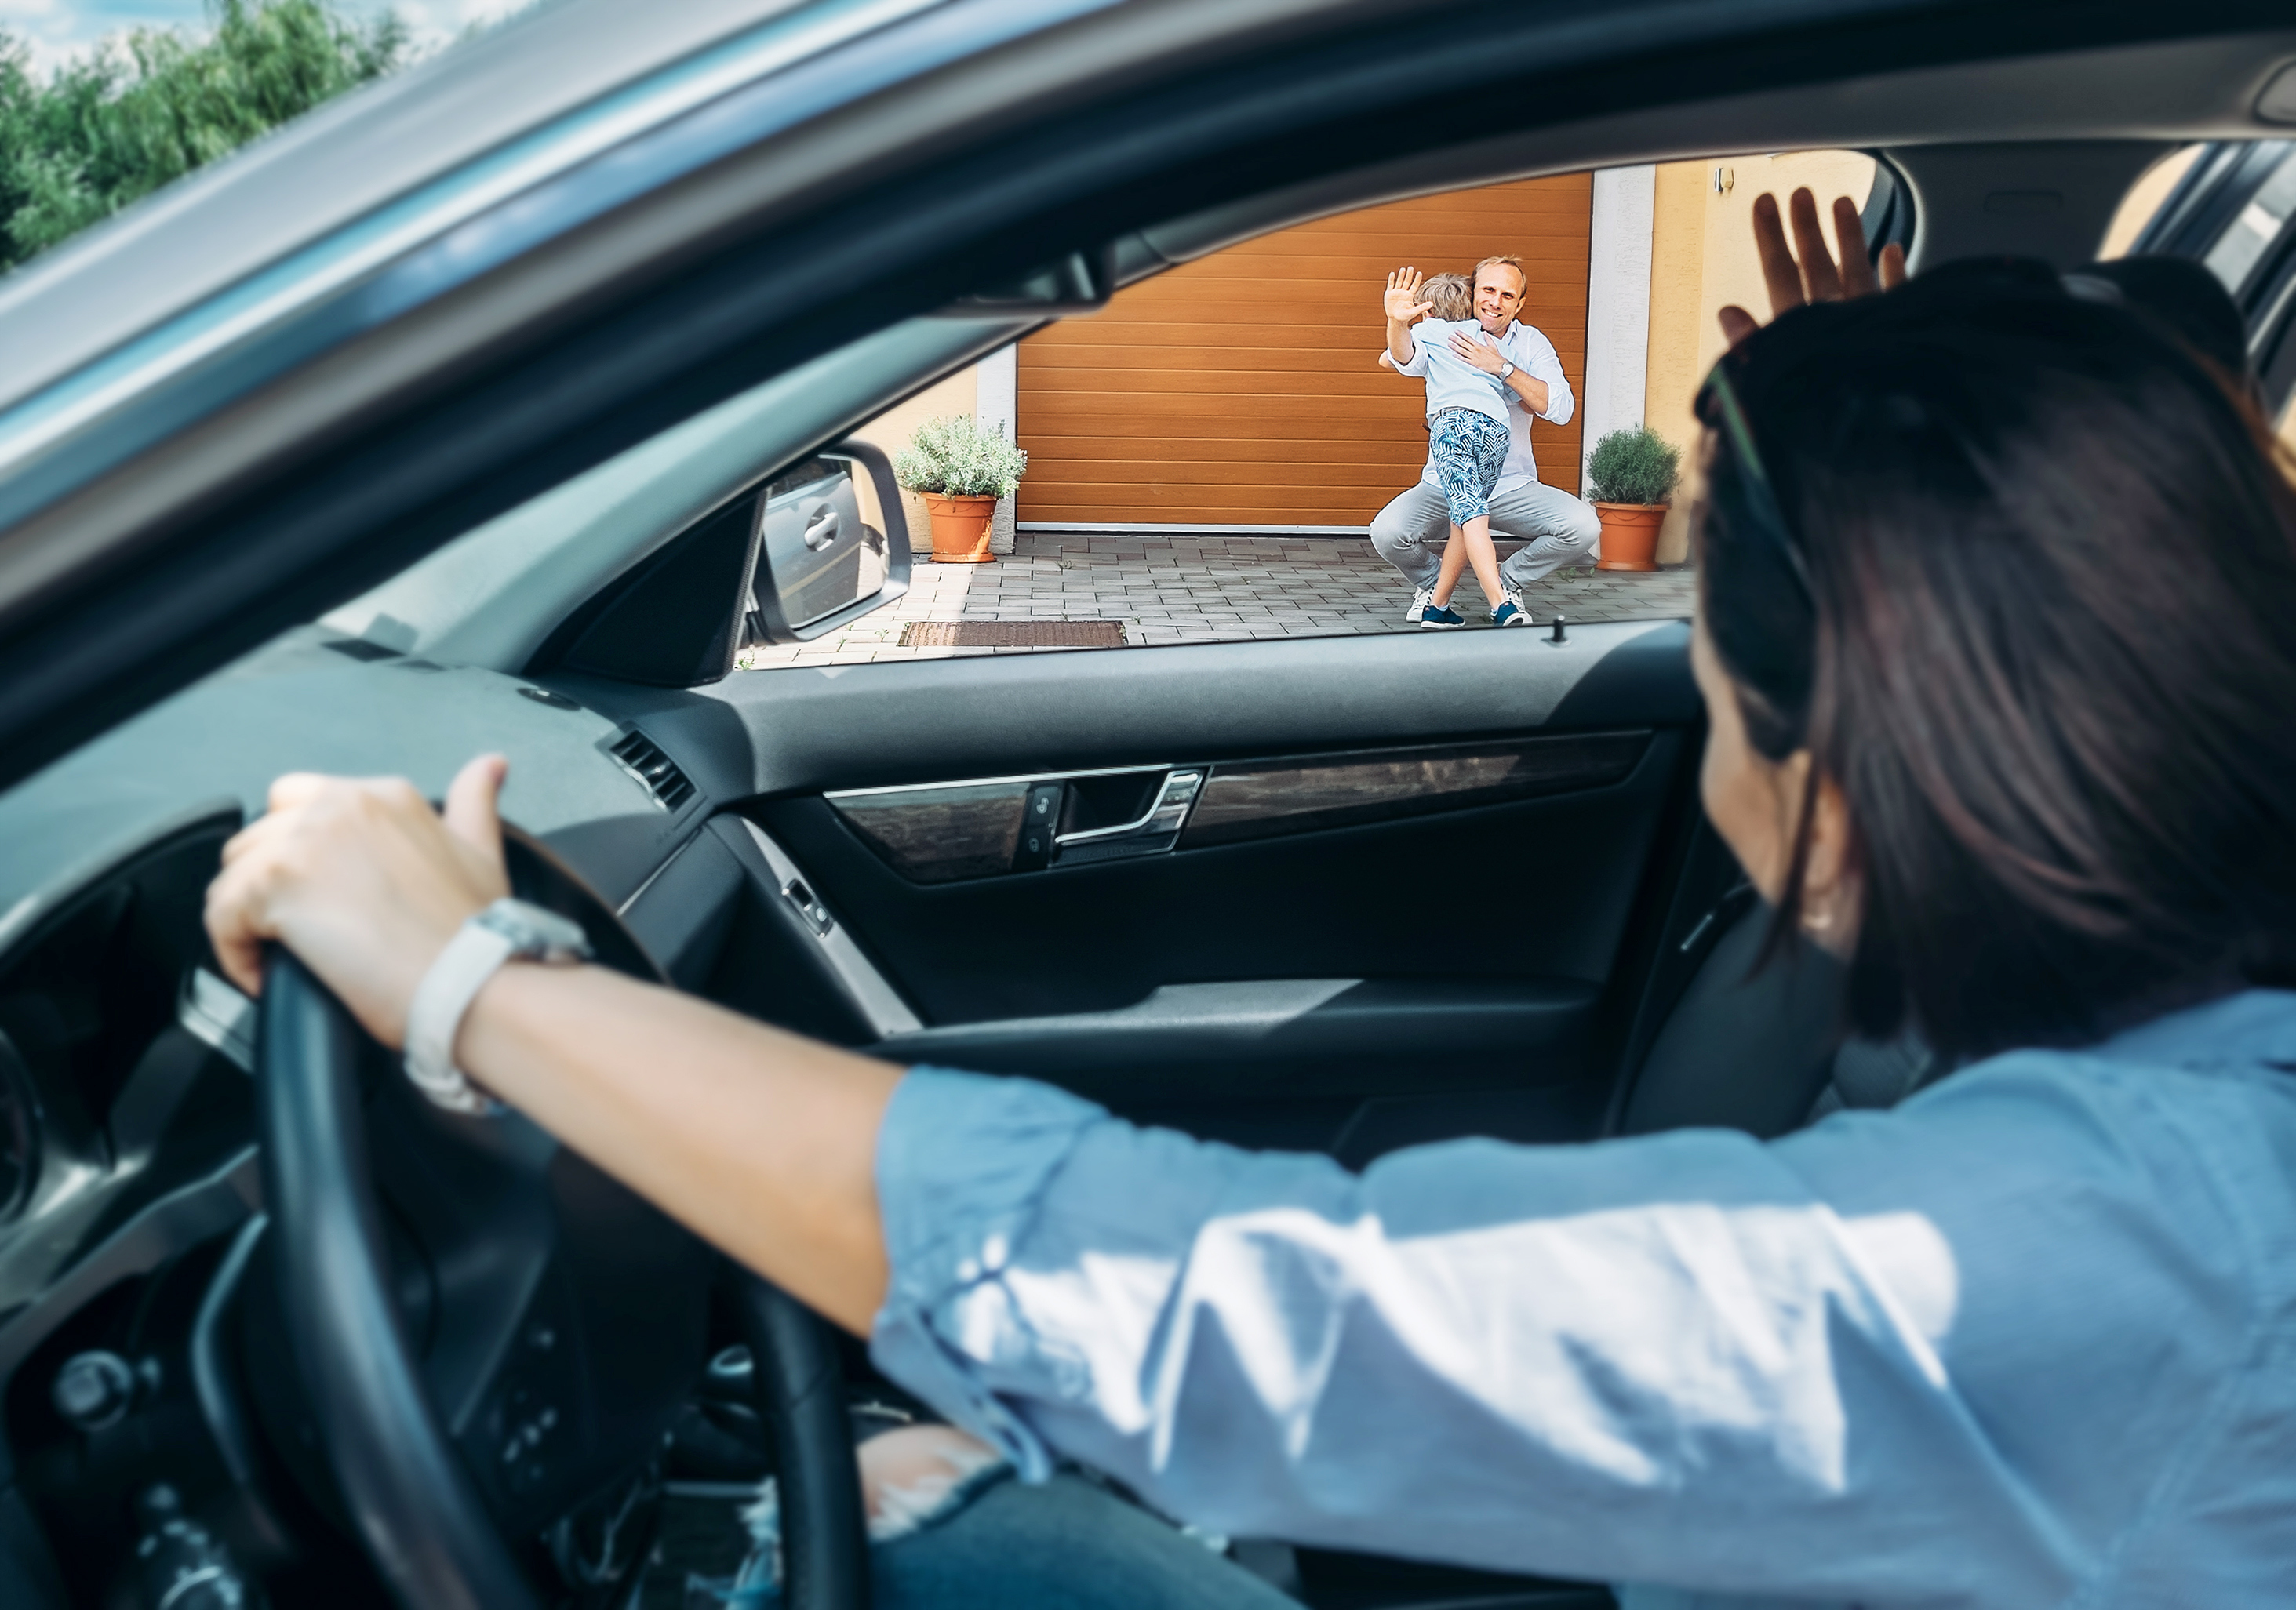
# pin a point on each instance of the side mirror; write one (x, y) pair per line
(832, 545)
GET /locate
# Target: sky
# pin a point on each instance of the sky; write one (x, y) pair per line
(59, 30)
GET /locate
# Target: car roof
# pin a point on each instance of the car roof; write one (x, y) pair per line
(707, 163)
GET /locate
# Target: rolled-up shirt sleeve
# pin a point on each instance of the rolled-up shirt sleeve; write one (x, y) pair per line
(1633, 1360)
(1537, 353)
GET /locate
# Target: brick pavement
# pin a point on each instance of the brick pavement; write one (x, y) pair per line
(1204, 589)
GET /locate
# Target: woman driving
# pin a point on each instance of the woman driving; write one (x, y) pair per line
(1996, 637)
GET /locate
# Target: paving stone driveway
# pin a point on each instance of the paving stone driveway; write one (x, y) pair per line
(1203, 589)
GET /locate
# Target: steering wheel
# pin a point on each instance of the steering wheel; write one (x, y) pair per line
(527, 1353)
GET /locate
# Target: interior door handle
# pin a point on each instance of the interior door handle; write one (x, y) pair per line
(1164, 814)
(821, 528)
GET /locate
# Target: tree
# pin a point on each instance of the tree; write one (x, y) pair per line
(149, 107)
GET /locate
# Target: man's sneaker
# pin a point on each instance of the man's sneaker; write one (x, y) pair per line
(1435, 618)
(1511, 612)
(1419, 602)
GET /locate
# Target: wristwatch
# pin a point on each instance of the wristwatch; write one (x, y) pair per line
(1506, 367)
(506, 930)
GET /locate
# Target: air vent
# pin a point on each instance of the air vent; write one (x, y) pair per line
(659, 774)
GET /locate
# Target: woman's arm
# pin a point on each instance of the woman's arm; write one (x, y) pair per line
(761, 1142)
(1670, 1359)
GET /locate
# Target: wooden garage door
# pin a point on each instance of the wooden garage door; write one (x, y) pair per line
(1244, 389)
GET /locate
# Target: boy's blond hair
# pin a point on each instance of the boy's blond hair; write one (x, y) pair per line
(1448, 297)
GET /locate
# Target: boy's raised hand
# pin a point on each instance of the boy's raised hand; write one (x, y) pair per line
(1402, 301)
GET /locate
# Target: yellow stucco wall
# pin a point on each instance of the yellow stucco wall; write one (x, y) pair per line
(891, 430)
(1702, 259)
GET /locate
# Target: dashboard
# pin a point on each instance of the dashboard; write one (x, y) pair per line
(136, 1390)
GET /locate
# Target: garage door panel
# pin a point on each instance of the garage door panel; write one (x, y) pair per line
(1350, 338)
(1246, 387)
(1343, 267)
(1236, 505)
(1317, 415)
(1330, 473)
(1134, 451)
(1184, 401)
(1306, 365)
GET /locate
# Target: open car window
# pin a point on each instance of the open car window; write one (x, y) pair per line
(1219, 454)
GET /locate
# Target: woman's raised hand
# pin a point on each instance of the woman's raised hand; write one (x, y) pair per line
(1401, 302)
(1815, 276)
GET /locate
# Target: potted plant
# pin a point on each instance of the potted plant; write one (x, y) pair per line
(1630, 479)
(963, 467)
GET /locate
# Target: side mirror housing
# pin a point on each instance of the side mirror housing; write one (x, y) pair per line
(833, 544)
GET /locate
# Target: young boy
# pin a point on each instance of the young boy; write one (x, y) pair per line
(1467, 434)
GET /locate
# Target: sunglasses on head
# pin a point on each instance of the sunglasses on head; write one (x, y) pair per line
(1718, 408)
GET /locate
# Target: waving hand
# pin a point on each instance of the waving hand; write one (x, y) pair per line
(1815, 277)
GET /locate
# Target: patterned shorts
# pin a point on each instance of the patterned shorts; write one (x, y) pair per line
(1469, 449)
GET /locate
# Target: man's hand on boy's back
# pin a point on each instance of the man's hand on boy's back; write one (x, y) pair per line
(1480, 350)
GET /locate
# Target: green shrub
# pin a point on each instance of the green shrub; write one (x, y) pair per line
(1634, 466)
(151, 106)
(959, 457)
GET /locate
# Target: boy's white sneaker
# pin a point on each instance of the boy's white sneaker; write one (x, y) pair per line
(1419, 602)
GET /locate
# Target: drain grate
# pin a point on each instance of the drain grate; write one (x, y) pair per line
(1013, 634)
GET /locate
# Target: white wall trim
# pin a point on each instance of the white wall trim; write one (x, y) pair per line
(1618, 301)
(996, 398)
(996, 389)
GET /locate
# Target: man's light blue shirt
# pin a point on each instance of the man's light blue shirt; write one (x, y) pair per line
(1530, 350)
(2028, 1340)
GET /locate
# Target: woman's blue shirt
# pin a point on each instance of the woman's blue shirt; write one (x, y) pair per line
(2028, 1340)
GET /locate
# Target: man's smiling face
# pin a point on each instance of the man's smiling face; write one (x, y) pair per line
(1498, 293)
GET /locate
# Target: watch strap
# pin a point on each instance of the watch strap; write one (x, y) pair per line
(506, 929)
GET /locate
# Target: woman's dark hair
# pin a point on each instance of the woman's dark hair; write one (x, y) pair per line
(2024, 581)
(2185, 299)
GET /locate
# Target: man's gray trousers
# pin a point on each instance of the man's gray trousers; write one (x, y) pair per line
(1559, 530)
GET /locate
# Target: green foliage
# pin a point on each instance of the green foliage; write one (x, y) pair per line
(150, 106)
(960, 457)
(1635, 466)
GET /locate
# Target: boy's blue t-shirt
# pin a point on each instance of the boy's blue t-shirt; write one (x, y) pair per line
(1452, 381)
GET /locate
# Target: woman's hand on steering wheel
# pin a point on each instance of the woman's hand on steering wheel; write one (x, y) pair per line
(363, 881)
(1815, 277)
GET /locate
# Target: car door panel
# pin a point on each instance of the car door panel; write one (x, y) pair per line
(1282, 1038)
(1399, 901)
(1426, 897)
(813, 730)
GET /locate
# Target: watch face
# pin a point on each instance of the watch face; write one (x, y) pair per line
(533, 931)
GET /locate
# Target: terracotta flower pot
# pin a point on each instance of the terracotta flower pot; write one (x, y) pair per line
(960, 528)
(1629, 536)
